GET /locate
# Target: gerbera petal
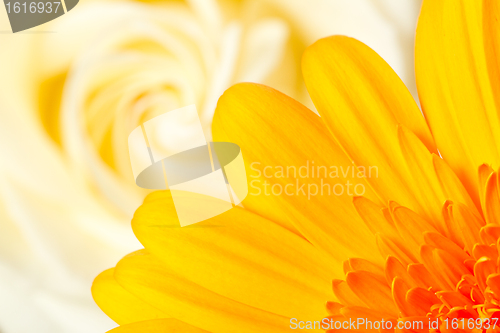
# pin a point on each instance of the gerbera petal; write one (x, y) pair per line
(422, 276)
(491, 32)
(427, 253)
(411, 227)
(493, 281)
(239, 255)
(425, 183)
(469, 224)
(492, 199)
(149, 279)
(399, 291)
(345, 294)
(333, 308)
(375, 293)
(358, 264)
(421, 298)
(120, 305)
(439, 241)
(158, 326)
(362, 101)
(457, 78)
(273, 131)
(452, 230)
(450, 269)
(453, 299)
(484, 173)
(433, 179)
(374, 217)
(490, 233)
(483, 268)
(489, 251)
(389, 246)
(454, 190)
(394, 268)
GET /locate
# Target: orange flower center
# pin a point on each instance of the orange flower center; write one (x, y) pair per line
(438, 277)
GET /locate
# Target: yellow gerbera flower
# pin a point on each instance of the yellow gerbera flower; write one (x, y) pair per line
(425, 230)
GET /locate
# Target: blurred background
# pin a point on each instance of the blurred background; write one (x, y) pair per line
(71, 91)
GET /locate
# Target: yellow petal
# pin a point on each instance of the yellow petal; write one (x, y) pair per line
(362, 101)
(274, 131)
(375, 293)
(451, 185)
(457, 78)
(453, 299)
(240, 255)
(484, 172)
(394, 268)
(373, 215)
(399, 290)
(158, 326)
(422, 299)
(452, 229)
(345, 294)
(483, 268)
(433, 180)
(469, 224)
(443, 243)
(150, 280)
(422, 276)
(451, 269)
(333, 308)
(493, 281)
(411, 227)
(120, 305)
(492, 199)
(490, 233)
(425, 183)
(481, 250)
(390, 246)
(427, 254)
(358, 264)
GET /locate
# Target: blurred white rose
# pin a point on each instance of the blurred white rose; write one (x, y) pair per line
(71, 91)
